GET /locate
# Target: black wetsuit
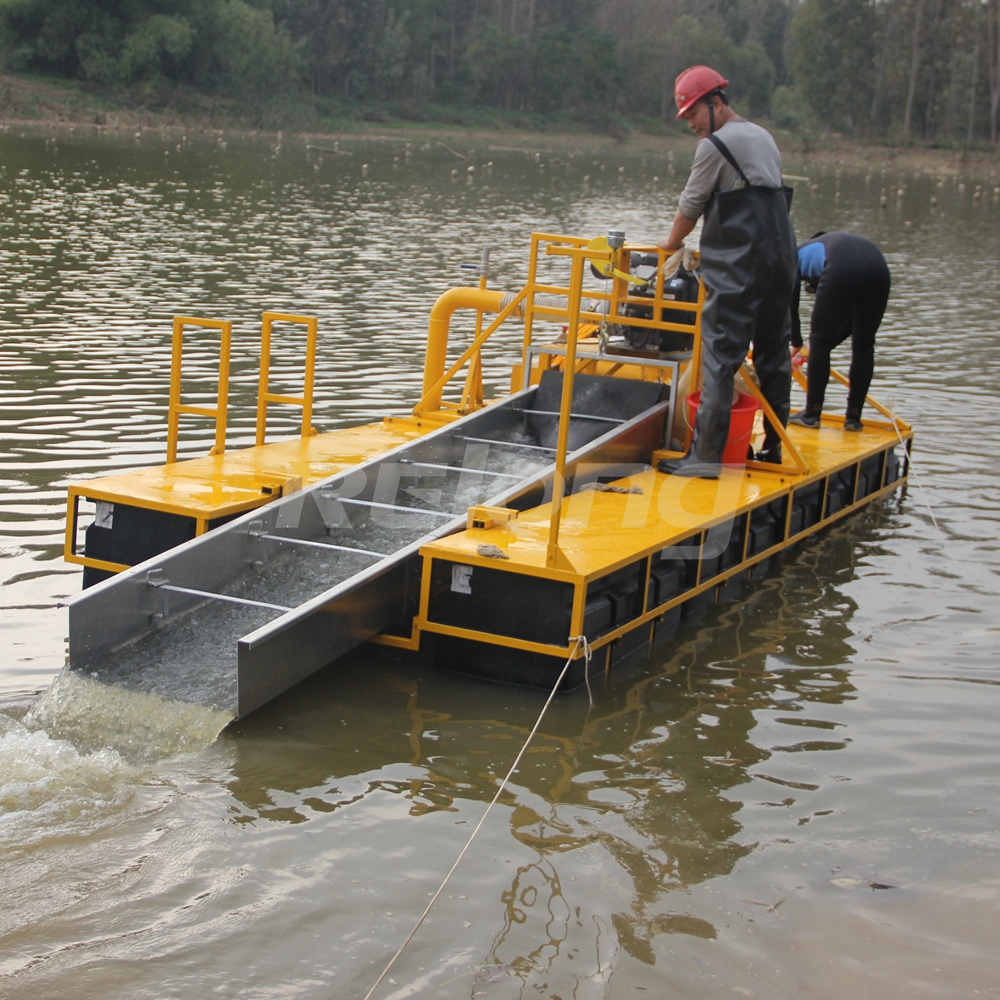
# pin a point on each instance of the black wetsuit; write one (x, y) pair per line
(851, 293)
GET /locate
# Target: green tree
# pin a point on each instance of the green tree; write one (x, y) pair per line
(831, 53)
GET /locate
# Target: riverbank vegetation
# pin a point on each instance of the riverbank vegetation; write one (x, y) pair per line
(897, 71)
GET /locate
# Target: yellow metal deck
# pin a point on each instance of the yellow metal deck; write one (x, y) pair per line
(219, 486)
(602, 531)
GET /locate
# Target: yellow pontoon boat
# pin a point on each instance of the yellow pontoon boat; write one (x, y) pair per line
(489, 535)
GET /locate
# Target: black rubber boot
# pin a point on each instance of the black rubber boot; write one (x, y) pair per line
(772, 454)
(690, 466)
(852, 421)
(809, 417)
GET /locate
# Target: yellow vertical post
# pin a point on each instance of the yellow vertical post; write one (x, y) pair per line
(472, 393)
(264, 395)
(265, 375)
(696, 349)
(175, 408)
(476, 368)
(222, 398)
(73, 514)
(528, 308)
(566, 405)
(695, 383)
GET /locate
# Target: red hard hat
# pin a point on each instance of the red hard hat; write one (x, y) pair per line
(693, 84)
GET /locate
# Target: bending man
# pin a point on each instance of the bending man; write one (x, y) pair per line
(851, 280)
(747, 264)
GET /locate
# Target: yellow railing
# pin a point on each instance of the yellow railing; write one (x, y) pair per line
(617, 296)
(264, 395)
(572, 314)
(484, 300)
(176, 407)
(554, 556)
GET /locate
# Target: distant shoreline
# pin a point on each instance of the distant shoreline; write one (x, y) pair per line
(30, 103)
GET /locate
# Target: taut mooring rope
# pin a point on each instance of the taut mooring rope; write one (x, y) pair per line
(920, 484)
(577, 641)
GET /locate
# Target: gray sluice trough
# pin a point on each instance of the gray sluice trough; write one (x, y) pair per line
(235, 617)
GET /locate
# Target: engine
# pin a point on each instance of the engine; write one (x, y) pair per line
(683, 287)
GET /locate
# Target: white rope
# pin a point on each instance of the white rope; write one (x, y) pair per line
(587, 654)
(577, 642)
(920, 485)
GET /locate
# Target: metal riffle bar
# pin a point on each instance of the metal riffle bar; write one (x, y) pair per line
(505, 444)
(459, 468)
(390, 506)
(219, 597)
(282, 539)
(572, 416)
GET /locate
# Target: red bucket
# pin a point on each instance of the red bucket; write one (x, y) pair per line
(740, 426)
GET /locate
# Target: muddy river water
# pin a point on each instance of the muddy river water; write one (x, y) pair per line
(796, 797)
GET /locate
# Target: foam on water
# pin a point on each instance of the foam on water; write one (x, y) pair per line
(84, 761)
(48, 787)
(91, 718)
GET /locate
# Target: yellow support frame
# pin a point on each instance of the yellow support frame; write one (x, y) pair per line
(472, 393)
(423, 408)
(81, 490)
(176, 407)
(618, 295)
(69, 544)
(431, 406)
(264, 395)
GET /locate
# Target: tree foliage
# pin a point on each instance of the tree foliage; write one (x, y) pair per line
(906, 69)
(909, 69)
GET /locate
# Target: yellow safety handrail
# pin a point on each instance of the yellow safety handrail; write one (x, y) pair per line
(176, 407)
(480, 299)
(617, 297)
(264, 395)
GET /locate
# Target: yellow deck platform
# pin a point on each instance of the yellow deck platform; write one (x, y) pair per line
(219, 486)
(602, 531)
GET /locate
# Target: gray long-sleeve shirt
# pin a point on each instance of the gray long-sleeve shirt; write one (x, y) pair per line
(754, 150)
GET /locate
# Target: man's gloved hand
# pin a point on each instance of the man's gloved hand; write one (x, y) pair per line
(685, 256)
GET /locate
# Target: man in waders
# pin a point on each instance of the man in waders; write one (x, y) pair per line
(748, 264)
(850, 279)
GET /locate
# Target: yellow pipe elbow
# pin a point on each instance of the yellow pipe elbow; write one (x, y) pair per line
(438, 329)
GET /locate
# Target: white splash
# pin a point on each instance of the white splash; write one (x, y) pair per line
(138, 725)
(77, 759)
